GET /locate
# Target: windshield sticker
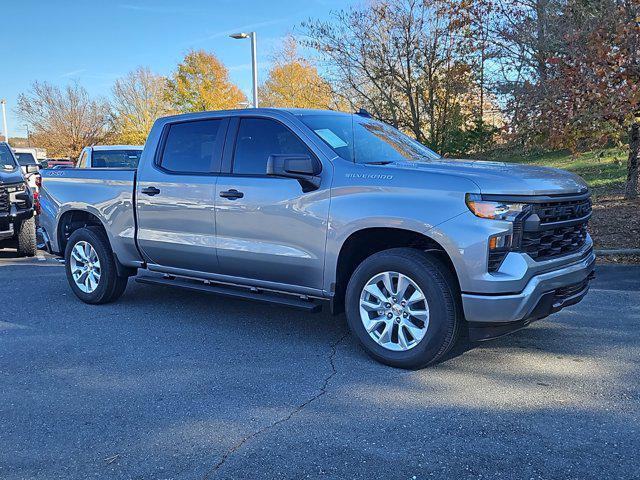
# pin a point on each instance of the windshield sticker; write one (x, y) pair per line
(331, 138)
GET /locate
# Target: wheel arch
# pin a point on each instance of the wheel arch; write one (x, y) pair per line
(74, 219)
(70, 221)
(365, 242)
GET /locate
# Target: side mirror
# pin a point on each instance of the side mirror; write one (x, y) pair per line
(32, 168)
(304, 168)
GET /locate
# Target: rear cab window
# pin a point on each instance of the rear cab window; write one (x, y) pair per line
(116, 158)
(193, 147)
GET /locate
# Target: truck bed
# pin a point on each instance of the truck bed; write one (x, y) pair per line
(107, 193)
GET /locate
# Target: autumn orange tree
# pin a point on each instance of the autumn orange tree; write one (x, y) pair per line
(295, 83)
(201, 82)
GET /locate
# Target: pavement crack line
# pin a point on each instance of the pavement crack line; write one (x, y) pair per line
(295, 411)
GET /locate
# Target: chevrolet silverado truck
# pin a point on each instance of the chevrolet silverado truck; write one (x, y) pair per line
(17, 222)
(305, 207)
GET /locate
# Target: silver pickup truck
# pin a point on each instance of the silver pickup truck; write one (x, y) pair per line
(303, 207)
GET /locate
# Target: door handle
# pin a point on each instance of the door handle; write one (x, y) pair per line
(231, 194)
(150, 191)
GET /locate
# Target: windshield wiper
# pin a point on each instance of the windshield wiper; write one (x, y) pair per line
(382, 162)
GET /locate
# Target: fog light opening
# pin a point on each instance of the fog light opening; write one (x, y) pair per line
(499, 247)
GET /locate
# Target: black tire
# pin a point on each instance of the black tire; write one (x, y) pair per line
(118, 291)
(110, 286)
(441, 293)
(26, 241)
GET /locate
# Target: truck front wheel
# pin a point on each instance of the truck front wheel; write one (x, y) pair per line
(27, 238)
(90, 267)
(402, 305)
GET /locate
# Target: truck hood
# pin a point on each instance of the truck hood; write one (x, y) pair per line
(10, 176)
(504, 178)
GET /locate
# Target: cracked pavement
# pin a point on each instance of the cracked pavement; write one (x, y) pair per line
(168, 384)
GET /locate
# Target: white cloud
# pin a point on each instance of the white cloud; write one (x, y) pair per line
(73, 73)
(243, 28)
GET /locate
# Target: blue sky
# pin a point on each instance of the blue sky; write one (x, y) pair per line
(95, 42)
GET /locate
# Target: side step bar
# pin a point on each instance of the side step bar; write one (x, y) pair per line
(233, 292)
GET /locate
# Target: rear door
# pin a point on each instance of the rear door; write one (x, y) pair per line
(175, 196)
(268, 228)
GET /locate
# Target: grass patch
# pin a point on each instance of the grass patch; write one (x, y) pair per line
(604, 170)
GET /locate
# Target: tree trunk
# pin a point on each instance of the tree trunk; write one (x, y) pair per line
(631, 190)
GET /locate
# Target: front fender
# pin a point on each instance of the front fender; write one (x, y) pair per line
(358, 208)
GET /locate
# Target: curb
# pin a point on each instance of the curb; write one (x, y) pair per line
(618, 251)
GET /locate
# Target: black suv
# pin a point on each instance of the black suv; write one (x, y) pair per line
(17, 221)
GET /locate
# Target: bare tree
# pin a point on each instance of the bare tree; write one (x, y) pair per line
(402, 59)
(524, 36)
(63, 120)
(139, 99)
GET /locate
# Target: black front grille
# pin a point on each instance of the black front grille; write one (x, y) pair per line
(546, 244)
(553, 229)
(4, 200)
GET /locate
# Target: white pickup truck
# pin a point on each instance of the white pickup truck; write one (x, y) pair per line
(29, 164)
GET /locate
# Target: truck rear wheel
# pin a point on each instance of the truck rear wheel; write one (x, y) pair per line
(402, 304)
(90, 267)
(27, 238)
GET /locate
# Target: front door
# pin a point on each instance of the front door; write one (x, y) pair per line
(268, 229)
(175, 197)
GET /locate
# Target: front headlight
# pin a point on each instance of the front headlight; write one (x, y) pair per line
(492, 209)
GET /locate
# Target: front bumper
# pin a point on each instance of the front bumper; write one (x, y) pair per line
(544, 294)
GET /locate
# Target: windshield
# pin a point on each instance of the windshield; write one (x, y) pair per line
(6, 159)
(364, 140)
(25, 158)
(116, 158)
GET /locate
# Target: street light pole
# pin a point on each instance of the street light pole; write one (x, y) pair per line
(254, 68)
(4, 121)
(254, 62)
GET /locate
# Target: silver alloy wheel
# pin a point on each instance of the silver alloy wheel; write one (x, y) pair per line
(394, 311)
(85, 266)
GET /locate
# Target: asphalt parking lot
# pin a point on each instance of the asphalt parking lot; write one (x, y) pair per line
(167, 384)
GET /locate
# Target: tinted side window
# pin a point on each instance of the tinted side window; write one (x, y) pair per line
(193, 147)
(258, 138)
